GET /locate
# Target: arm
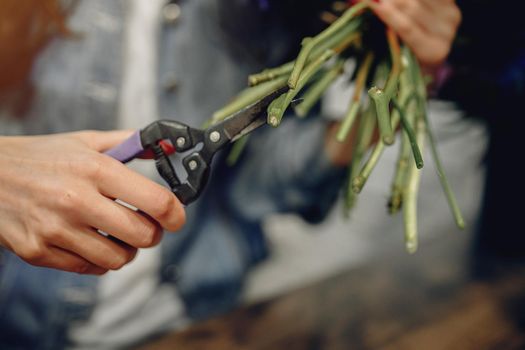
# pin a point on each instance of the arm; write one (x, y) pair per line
(57, 190)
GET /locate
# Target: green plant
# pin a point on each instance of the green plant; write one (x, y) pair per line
(395, 104)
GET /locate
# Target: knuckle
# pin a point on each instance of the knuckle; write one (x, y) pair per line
(69, 200)
(166, 202)
(405, 29)
(148, 235)
(181, 219)
(411, 8)
(82, 268)
(52, 233)
(169, 213)
(131, 254)
(118, 261)
(90, 166)
(34, 252)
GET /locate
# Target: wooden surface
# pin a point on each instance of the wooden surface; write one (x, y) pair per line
(426, 301)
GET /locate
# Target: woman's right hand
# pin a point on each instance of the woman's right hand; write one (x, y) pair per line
(57, 190)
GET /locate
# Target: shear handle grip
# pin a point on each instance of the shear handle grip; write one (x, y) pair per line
(127, 150)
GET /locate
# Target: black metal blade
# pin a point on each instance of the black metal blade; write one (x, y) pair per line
(249, 118)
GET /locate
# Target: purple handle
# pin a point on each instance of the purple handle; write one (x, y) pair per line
(128, 149)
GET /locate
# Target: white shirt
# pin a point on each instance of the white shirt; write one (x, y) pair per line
(131, 304)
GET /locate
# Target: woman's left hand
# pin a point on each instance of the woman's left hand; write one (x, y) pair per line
(428, 27)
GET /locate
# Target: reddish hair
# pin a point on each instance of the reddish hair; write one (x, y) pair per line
(26, 27)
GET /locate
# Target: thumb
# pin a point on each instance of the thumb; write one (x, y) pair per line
(101, 141)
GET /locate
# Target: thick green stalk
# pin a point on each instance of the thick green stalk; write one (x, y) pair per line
(360, 180)
(270, 74)
(406, 88)
(398, 184)
(348, 122)
(365, 132)
(451, 198)
(347, 33)
(411, 135)
(410, 196)
(315, 92)
(309, 46)
(278, 106)
(355, 102)
(382, 97)
(247, 97)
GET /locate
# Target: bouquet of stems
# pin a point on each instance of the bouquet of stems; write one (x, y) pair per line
(395, 103)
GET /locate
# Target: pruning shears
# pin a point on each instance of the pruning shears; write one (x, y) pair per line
(202, 145)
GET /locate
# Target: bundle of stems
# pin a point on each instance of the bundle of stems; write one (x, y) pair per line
(394, 105)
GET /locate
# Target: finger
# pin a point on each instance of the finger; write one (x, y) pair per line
(102, 140)
(151, 198)
(428, 49)
(129, 226)
(58, 258)
(425, 18)
(95, 248)
(448, 13)
(401, 23)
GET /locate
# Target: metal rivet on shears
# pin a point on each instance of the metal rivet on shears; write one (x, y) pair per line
(215, 136)
(192, 164)
(181, 141)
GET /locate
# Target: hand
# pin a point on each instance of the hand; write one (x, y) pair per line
(57, 190)
(428, 27)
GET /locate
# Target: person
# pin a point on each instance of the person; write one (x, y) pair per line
(487, 82)
(57, 189)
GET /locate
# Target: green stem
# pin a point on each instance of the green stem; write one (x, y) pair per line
(451, 198)
(398, 185)
(277, 108)
(347, 33)
(247, 97)
(406, 94)
(348, 122)
(315, 92)
(410, 196)
(382, 97)
(365, 132)
(324, 35)
(270, 74)
(411, 135)
(360, 180)
(355, 102)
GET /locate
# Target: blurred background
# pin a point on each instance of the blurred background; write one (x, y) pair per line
(303, 253)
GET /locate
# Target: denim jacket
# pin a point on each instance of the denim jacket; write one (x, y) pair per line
(281, 170)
